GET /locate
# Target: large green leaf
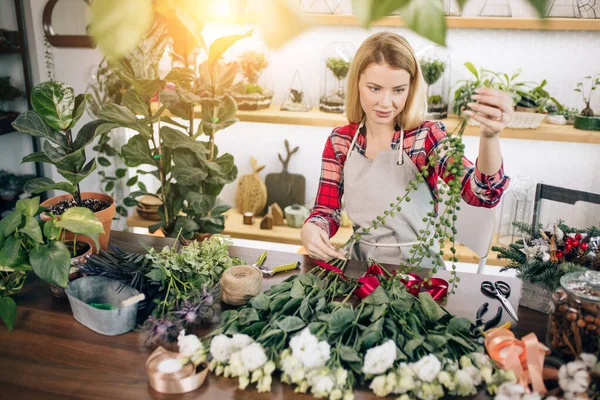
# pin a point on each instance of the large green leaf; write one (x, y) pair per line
(148, 87)
(189, 176)
(180, 76)
(220, 45)
(75, 178)
(8, 312)
(200, 203)
(51, 231)
(368, 11)
(186, 226)
(377, 297)
(51, 263)
(33, 230)
(341, 320)
(39, 185)
(212, 224)
(433, 312)
(124, 117)
(137, 152)
(39, 156)
(90, 131)
(81, 221)
(291, 324)
(176, 139)
(11, 223)
(72, 161)
(55, 102)
(136, 103)
(247, 316)
(28, 207)
(10, 253)
(79, 107)
(33, 124)
(426, 17)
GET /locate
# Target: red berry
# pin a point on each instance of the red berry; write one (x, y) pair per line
(575, 243)
(578, 236)
(568, 248)
(559, 254)
(584, 246)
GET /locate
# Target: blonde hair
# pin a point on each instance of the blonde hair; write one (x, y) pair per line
(394, 50)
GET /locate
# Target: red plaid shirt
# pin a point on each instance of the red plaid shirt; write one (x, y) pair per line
(478, 189)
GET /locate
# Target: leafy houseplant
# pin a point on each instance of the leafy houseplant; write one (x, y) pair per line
(26, 244)
(190, 172)
(466, 88)
(334, 102)
(587, 120)
(252, 63)
(433, 69)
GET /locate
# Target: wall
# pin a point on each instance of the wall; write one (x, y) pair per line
(562, 58)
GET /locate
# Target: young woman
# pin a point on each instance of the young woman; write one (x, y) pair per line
(372, 160)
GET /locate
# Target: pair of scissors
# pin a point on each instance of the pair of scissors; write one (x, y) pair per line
(499, 290)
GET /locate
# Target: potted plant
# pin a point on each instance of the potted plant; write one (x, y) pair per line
(433, 69)
(191, 173)
(586, 119)
(251, 64)
(30, 244)
(295, 99)
(560, 114)
(334, 102)
(56, 111)
(466, 88)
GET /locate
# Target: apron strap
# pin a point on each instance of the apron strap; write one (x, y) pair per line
(360, 125)
(400, 151)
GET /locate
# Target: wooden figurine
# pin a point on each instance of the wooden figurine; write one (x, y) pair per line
(277, 214)
(251, 192)
(267, 221)
(284, 188)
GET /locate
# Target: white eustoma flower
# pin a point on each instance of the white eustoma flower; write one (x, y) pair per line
(451, 366)
(243, 382)
(236, 365)
(253, 356)
(590, 360)
(406, 382)
(220, 348)
(239, 341)
(341, 375)
(256, 375)
(465, 361)
(446, 379)
(264, 384)
(427, 368)
(481, 360)
(269, 367)
(348, 395)
(336, 394)
(309, 351)
(486, 374)
(297, 375)
(188, 345)
(509, 391)
(464, 384)
(430, 391)
(378, 386)
(573, 377)
(380, 358)
(322, 386)
(474, 373)
(291, 364)
(404, 397)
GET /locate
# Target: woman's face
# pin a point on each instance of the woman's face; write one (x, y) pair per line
(383, 92)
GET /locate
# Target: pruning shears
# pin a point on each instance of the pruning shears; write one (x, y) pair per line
(481, 326)
(271, 271)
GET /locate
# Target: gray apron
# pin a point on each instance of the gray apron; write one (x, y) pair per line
(369, 188)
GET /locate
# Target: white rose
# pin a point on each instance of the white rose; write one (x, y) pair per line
(380, 358)
(297, 375)
(427, 368)
(464, 384)
(239, 341)
(378, 386)
(253, 356)
(322, 386)
(189, 345)
(309, 351)
(220, 348)
(291, 364)
(236, 365)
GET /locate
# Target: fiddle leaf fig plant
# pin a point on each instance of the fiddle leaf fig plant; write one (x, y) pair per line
(56, 110)
(28, 244)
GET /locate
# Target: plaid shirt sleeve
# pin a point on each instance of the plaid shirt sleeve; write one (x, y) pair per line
(478, 189)
(328, 203)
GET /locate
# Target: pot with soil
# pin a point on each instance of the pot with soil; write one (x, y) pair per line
(83, 248)
(103, 206)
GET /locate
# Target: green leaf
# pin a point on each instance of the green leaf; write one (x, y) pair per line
(269, 334)
(132, 181)
(220, 45)
(176, 139)
(279, 301)
(412, 345)
(109, 186)
(11, 222)
(297, 289)
(540, 7)
(186, 226)
(436, 341)
(129, 201)
(378, 312)
(291, 324)
(91, 131)
(200, 203)
(228, 316)
(32, 229)
(8, 312)
(137, 152)
(79, 107)
(142, 187)
(39, 156)
(459, 324)
(122, 116)
(51, 231)
(247, 316)
(136, 103)
(291, 306)
(254, 329)
(432, 311)
(341, 319)
(33, 124)
(187, 175)
(348, 354)
(121, 172)
(426, 17)
(180, 76)
(472, 68)
(369, 338)
(54, 101)
(157, 275)
(467, 345)
(28, 207)
(52, 263)
(10, 253)
(39, 185)
(171, 121)
(260, 302)
(104, 162)
(377, 297)
(78, 177)
(81, 221)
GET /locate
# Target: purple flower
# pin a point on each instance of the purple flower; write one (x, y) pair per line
(160, 330)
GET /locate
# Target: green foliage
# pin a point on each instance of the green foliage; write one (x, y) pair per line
(252, 88)
(251, 64)
(594, 82)
(466, 88)
(56, 111)
(338, 66)
(435, 99)
(296, 96)
(432, 69)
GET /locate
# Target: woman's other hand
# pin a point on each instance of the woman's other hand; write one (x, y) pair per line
(316, 242)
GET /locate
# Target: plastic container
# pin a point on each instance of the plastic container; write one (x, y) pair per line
(574, 324)
(102, 290)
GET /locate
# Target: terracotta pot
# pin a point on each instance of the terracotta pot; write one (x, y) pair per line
(105, 216)
(74, 272)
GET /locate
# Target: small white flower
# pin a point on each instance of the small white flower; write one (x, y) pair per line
(220, 348)
(336, 394)
(464, 384)
(445, 379)
(510, 391)
(256, 375)
(481, 360)
(486, 374)
(341, 375)
(391, 379)
(309, 351)
(236, 365)
(404, 397)
(239, 341)
(380, 358)
(590, 360)
(348, 395)
(465, 361)
(406, 383)
(253, 356)
(378, 386)
(188, 345)
(219, 369)
(243, 382)
(531, 396)
(322, 386)
(451, 366)
(573, 377)
(474, 374)
(269, 367)
(298, 375)
(264, 384)
(302, 388)
(427, 368)
(291, 364)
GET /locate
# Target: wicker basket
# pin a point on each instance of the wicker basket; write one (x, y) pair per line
(520, 120)
(535, 297)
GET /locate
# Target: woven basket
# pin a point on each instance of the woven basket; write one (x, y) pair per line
(520, 120)
(535, 297)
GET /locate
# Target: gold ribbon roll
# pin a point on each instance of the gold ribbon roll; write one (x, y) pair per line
(175, 381)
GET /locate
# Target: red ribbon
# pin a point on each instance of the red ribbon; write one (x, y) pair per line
(437, 287)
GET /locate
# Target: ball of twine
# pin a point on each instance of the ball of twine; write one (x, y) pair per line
(239, 284)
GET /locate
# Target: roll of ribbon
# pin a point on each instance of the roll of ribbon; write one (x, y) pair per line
(248, 218)
(240, 283)
(165, 377)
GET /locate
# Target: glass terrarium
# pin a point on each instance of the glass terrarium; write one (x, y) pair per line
(435, 64)
(295, 98)
(252, 59)
(336, 64)
(516, 206)
(321, 6)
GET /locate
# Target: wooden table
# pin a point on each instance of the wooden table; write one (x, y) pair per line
(49, 355)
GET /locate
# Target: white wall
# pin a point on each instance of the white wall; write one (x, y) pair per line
(561, 57)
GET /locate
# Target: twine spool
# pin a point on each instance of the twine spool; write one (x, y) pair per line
(239, 284)
(248, 218)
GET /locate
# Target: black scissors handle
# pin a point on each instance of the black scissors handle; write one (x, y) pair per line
(493, 289)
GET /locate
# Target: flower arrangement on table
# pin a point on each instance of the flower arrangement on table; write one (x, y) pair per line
(556, 252)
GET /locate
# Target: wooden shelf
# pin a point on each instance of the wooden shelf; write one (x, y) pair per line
(314, 117)
(235, 228)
